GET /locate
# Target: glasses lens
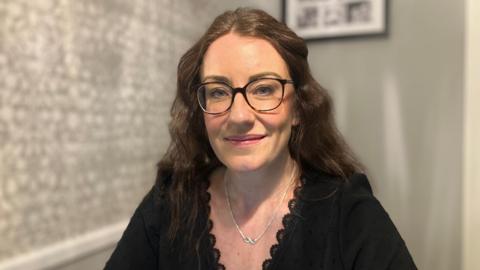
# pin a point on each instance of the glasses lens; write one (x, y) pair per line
(265, 94)
(214, 97)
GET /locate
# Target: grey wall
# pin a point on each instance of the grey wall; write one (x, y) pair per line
(399, 103)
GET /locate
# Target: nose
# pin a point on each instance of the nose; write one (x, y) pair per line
(241, 112)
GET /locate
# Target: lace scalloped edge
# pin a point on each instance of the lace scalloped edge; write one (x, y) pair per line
(286, 223)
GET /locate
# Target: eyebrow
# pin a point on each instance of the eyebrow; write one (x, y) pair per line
(218, 78)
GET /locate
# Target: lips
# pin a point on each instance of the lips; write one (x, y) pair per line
(244, 139)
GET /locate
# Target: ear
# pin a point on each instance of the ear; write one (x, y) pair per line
(296, 119)
(296, 114)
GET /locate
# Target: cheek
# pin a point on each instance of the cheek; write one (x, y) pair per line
(283, 127)
(284, 120)
(212, 125)
(279, 126)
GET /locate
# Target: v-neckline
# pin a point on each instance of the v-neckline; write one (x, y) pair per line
(289, 221)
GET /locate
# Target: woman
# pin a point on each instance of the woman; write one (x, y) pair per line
(256, 175)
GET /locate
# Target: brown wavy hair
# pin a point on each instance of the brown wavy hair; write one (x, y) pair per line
(315, 142)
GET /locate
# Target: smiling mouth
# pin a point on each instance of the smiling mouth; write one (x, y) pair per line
(244, 139)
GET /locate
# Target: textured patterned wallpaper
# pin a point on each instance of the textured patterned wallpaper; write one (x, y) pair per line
(85, 89)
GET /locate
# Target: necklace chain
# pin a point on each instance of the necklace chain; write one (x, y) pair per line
(247, 239)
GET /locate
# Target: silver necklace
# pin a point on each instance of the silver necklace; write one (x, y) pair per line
(247, 239)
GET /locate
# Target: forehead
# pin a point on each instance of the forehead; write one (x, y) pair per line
(238, 57)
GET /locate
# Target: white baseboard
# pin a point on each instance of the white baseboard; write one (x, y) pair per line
(68, 250)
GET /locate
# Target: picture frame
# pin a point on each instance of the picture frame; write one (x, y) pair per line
(327, 19)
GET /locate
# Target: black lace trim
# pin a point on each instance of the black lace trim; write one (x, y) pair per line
(287, 222)
(211, 238)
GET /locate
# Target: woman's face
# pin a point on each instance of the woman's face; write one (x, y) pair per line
(242, 138)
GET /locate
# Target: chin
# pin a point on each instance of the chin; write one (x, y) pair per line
(243, 165)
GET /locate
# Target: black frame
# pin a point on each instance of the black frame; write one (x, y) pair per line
(243, 91)
(384, 32)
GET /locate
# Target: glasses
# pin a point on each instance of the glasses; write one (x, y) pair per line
(263, 94)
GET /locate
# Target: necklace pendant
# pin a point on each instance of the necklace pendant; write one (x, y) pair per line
(249, 240)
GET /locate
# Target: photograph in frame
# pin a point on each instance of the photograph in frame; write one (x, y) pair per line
(324, 19)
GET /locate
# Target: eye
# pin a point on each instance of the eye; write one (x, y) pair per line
(218, 93)
(264, 90)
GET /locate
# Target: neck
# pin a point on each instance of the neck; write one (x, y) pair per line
(249, 189)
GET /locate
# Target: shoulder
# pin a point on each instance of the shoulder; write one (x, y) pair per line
(356, 197)
(151, 212)
(367, 235)
(342, 198)
(357, 185)
(139, 245)
(360, 230)
(360, 211)
(351, 190)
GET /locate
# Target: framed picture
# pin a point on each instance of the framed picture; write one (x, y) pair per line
(322, 19)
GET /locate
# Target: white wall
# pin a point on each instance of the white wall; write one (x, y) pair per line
(471, 201)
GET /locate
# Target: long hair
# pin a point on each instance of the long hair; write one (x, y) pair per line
(314, 143)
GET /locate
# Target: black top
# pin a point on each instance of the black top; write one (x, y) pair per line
(331, 225)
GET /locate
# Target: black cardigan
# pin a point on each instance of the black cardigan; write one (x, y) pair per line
(331, 225)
